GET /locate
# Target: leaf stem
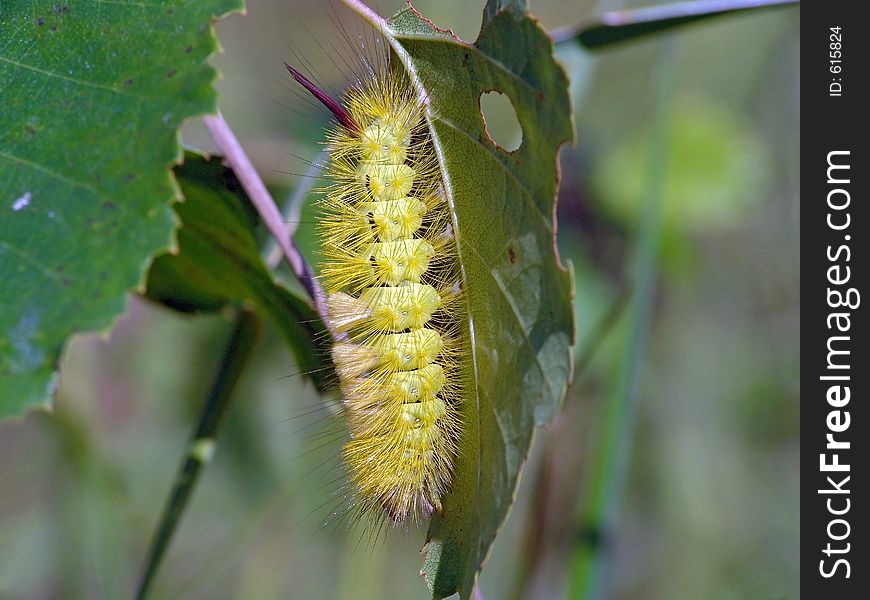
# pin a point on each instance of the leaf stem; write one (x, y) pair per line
(203, 440)
(238, 161)
(602, 497)
(363, 10)
(382, 26)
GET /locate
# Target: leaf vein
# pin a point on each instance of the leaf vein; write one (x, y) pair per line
(488, 151)
(81, 82)
(47, 171)
(44, 269)
(472, 48)
(514, 311)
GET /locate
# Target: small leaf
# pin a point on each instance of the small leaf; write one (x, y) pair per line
(519, 298)
(93, 96)
(218, 263)
(622, 26)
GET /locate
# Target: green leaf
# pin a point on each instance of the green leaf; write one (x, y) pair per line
(218, 263)
(519, 298)
(93, 96)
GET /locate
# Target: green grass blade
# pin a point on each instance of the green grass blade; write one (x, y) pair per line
(602, 495)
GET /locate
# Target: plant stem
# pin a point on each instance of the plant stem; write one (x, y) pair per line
(602, 498)
(245, 334)
(239, 162)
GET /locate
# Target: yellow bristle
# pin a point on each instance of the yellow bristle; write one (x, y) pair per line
(389, 267)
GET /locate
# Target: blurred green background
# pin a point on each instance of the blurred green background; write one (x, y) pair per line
(710, 506)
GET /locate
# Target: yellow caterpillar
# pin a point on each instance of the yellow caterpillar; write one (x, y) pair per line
(394, 297)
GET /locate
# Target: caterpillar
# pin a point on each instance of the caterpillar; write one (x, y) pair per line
(394, 297)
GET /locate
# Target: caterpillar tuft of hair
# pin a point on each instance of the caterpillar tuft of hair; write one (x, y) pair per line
(394, 297)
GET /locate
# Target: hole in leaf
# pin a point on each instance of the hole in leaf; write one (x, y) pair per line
(500, 120)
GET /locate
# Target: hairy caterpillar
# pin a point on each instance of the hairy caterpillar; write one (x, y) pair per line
(394, 298)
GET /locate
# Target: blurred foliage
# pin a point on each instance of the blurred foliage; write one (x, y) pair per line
(711, 507)
(714, 174)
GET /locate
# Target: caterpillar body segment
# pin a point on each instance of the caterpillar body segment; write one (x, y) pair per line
(389, 269)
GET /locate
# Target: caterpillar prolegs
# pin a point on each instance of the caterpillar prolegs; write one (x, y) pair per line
(394, 300)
